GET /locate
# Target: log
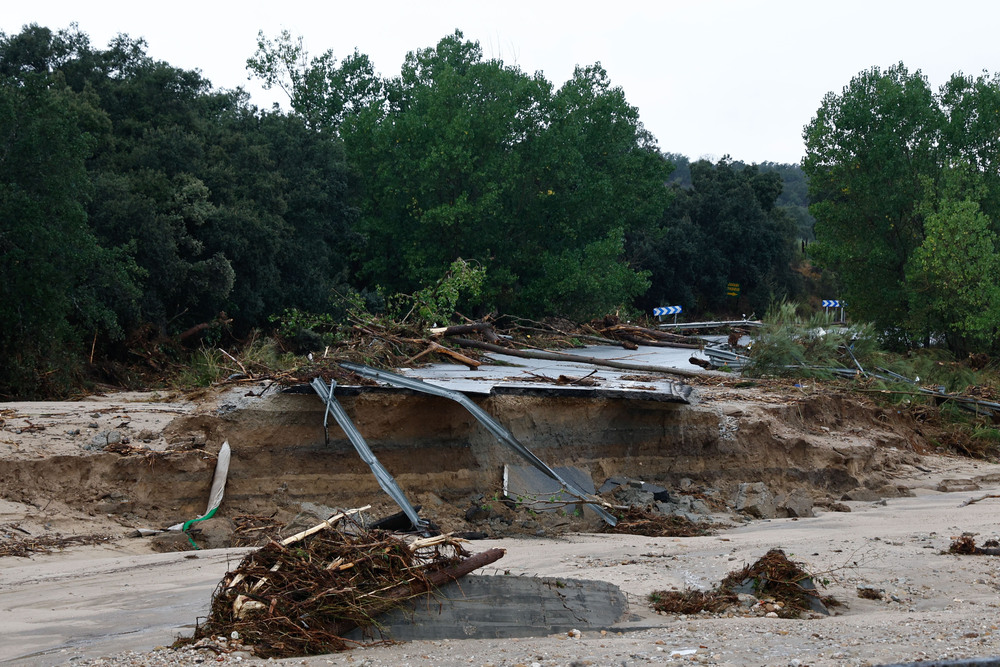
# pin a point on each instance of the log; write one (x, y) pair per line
(437, 348)
(658, 343)
(484, 328)
(562, 356)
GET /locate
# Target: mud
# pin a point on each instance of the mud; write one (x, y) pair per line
(283, 464)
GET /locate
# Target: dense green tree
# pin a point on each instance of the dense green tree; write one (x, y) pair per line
(460, 156)
(226, 207)
(132, 192)
(724, 228)
(954, 275)
(57, 284)
(868, 152)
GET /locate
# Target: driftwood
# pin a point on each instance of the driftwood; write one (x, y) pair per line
(484, 328)
(576, 358)
(658, 343)
(644, 332)
(437, 348)
(443, 576)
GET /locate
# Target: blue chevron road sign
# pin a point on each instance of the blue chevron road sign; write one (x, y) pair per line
(667, 310)
(830, 303)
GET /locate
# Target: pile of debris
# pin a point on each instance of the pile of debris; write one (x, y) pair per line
(16, 541)
(653, 523)
(966, 545)
(303, 595)
(772, 586)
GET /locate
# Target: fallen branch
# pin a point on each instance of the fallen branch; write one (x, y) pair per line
(484, 328)
(437, 348)
(658, 343)
(976, 500)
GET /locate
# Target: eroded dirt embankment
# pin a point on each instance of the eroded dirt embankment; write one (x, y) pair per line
(825, 443)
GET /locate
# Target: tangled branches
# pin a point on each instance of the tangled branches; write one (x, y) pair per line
(303, 595)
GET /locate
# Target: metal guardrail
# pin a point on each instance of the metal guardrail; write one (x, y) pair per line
(385, 480)
(713, 325)
(719, 357)
(501, 433)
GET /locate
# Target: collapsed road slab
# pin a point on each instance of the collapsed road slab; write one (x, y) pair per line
(529, 487)
(536, 377)
(497, 606)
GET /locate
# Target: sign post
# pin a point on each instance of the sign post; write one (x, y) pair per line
(667, 310)
(834, 303)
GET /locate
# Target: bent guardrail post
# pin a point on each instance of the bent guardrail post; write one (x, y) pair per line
(492, 425)
(385, 480)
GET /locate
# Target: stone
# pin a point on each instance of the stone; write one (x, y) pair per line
(105, 438)
(627, 495)
(799, 503)
(755, 499)
(861, 494)
(955, 485)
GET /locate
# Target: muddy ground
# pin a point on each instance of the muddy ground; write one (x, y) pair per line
(108, 465)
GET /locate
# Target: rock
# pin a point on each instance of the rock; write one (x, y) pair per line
(477, 513)
(798, 503)
(954, 485)
(755, 499)
(862, 494)
(105, 438)
(613, 483)
(170, 540)
(628, 495)
(214, 533)
(891, 491)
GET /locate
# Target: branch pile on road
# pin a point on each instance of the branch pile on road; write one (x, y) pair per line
(387, 344)
(303, 595)
(965, 545)
(772, 585)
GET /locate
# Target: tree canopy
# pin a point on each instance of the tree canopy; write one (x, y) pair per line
(138, 202)
(465, 157)
(724, 228)
(882, 159)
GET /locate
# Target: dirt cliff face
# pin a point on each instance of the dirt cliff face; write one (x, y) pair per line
(825, 443)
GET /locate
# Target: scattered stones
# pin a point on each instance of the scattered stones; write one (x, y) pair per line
(103, 439)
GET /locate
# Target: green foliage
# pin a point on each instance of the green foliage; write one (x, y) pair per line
(131, 192)
(907, 199)
(437, 304)
(58, 285)
(460, 156)
(790, 345)
(724, 228)
(867, 153)
(935, 366)
(953, 275)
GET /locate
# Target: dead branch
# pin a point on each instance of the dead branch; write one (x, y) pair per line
(485, 328)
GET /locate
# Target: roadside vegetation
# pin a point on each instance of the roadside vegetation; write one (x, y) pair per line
(157, 231)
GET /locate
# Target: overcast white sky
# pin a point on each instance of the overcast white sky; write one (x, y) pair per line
(709, 77)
